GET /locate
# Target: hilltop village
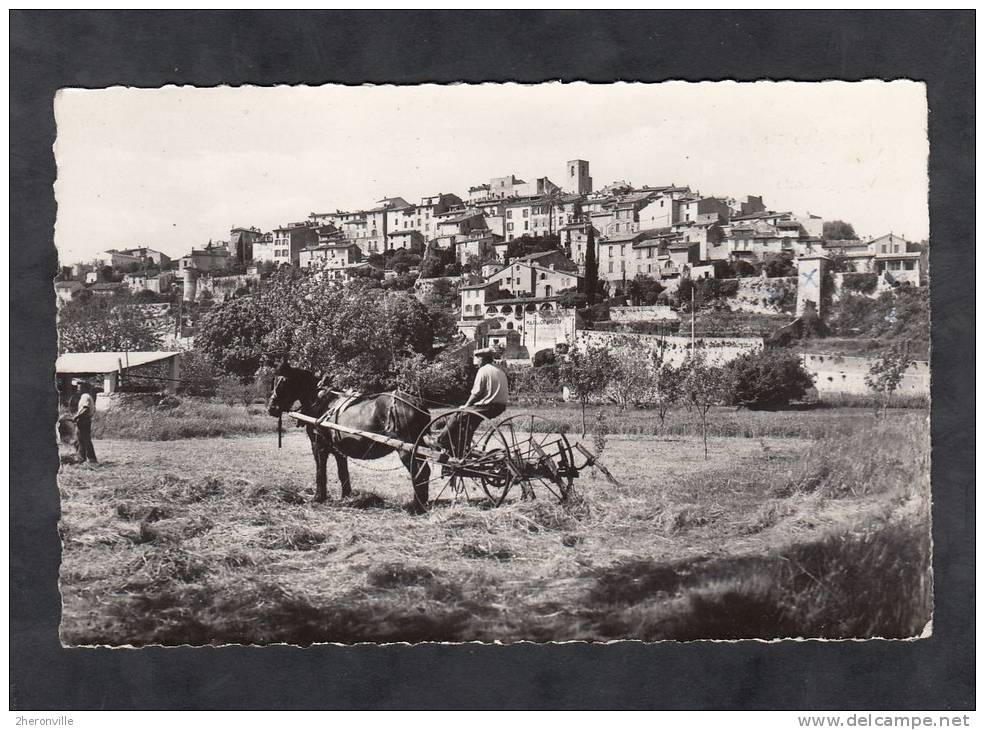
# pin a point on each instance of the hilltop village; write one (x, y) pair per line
(525, 266)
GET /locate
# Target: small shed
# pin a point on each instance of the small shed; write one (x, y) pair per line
(506, 341)
(111, 365)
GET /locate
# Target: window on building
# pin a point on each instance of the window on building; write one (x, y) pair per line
(610, 267)
(509, 214)
(526, 212)
(526, 226)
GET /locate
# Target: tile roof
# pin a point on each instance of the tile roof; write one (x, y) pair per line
(462, 216)
(78, 363)
(521, 300)
(622, 237)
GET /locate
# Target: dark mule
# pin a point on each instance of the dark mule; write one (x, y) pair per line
(390, 414)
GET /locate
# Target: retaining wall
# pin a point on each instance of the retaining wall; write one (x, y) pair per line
(846, 375)
(676, 347)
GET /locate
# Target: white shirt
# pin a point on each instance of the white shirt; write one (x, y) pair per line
(86, 406)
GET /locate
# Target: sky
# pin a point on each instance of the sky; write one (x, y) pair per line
(172, 168)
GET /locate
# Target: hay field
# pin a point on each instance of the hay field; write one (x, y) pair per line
(214, 541)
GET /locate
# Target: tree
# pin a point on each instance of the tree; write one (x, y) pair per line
(354, 331)
(527, 244)
(442, 295)
(198, 374)
(435, 260)
(572, 298)
(668, 382)
(401, 282)
(837, 230)
(642, 290)
(768, 379)
(100, 324)
(585, 373)
(777, 264)
(443, 379)
(232, 334)
(633, 378)
(704, 386)
(886, 373)
(591, 265)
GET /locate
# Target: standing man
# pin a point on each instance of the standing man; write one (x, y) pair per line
(83, 422)
(490, 396)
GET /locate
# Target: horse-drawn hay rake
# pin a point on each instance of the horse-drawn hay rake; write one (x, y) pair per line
(468, 455)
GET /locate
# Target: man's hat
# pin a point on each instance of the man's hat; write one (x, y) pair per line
(78, 381)
(485, 351)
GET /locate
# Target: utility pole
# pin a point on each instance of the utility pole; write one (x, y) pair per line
(692, 319)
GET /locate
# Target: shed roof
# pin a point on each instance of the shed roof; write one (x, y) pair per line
(76, 363)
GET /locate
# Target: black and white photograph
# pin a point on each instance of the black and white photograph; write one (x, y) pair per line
(496, 363)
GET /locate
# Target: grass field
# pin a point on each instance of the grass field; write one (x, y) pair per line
(195, 418)
(214, 541)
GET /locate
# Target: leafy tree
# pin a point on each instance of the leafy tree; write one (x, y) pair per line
(107, 324)
(436, 260)
(704, 386)
(527, 244)
(632, 380)
(591, 280)
(572, 298)
(643, 291)
(768, 379)
(453, 269)
(199, 375)
(861, 282)
(585, 373)
(886, 373)
(776, 265)
(444, 323)
(444, 379)
(355, 331)
(442, 294)
(401, 282)
(233, 333)
(837, 230)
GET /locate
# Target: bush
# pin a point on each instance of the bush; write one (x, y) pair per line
(198, 374)
(707, 291)
(776, 265)
(768, 379)
(863, 283)
(233, 391)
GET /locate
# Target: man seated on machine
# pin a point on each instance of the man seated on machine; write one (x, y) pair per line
(489, 397)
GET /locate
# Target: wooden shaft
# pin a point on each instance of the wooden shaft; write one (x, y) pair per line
(393, 443)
